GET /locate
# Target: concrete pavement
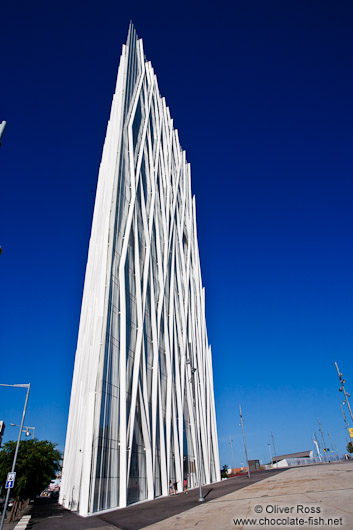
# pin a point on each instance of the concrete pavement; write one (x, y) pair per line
(317, 496)
(140, 515)
(48, 515)
(305, 497)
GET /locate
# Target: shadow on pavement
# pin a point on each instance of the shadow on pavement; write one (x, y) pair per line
(47, 514)
(143, 514)
(206, 494)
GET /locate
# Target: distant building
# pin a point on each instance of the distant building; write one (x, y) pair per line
(232, 472)
(300, 454)
(55, 485)
(254, 465)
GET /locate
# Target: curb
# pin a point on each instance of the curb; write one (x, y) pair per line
(23, 522)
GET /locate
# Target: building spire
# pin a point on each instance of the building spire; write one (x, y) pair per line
(131, 34)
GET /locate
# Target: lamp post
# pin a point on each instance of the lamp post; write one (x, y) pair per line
(231, 445)
(25, 429)
(28, 386)
(242, 426)
(273, 443)
(332, 448)
(324, 448)
(345, 423)
(198, 448)
(269, 448)
(342, 389)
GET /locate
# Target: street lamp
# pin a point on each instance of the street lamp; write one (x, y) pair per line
(28, 386)
(231, 445)
(198, 448)
(269, 448)
(345, 422)
(273, 443)
(25, 429)
(342, 389)
(242, 426)
(332, 447)
(324, 447)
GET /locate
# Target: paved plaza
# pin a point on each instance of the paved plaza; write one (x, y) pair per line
(317, 496)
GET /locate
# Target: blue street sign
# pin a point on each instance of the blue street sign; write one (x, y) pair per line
(10, 480)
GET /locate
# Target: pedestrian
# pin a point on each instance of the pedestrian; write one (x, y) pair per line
(170, 488)
(185, 485)
(175, 487)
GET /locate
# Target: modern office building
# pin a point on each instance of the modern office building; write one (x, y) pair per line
(142, 409)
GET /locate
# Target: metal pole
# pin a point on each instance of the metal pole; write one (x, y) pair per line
(323, 440)
(201, 497)
(346, 394)
(332, 449)
(269, 448)
(345, 423)
(273, 443)
(198, 448)
(246, 453)
(16, 451)
(231, 445)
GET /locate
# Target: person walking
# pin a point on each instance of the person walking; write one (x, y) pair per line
(170, 488)
(185, 485)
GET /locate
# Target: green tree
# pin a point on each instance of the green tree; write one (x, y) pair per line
(350, 447)
(224, 471)
(37, 462)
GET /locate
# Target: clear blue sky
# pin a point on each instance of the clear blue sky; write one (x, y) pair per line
(261, 93)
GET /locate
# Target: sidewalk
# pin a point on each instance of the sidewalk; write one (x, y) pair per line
(141, 515)
(317, 496)
(47, 514)
(13, 524)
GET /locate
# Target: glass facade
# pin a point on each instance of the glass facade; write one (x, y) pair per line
(142, 400)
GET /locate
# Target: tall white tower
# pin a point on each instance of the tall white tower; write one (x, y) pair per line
(142, 408)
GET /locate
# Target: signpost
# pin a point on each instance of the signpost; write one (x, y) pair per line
(12, 474)
(10, 481)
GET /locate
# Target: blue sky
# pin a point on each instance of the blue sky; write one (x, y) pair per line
(261, 93)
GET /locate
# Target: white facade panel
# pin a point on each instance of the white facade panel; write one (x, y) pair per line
(142, 401)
